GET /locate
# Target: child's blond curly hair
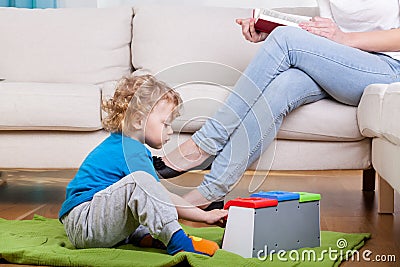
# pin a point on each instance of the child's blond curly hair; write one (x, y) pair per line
(136, 96)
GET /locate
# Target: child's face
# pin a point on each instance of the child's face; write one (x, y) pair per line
(157, 128)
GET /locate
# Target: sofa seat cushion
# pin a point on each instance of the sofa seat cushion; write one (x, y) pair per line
(49, 106)
(325, 120)
(66, 45)
(47, 149)
(379, 111)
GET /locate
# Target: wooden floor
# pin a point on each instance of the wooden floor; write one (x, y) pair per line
(344, 207)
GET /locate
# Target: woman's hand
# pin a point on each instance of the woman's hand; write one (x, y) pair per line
(374, 41)
(324, 27)
(249, 31)
(216, 217)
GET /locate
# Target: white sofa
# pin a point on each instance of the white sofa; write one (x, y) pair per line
(59, 63)
(379, 113)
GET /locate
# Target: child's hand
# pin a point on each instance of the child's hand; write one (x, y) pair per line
(216, 217)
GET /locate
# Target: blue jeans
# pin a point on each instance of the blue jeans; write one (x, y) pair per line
(292, 68)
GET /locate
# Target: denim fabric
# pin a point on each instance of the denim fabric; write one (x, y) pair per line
(292, 68)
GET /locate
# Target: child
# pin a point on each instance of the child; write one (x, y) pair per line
(116, 189)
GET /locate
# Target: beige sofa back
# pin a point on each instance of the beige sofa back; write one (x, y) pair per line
(65, 45)
(168, 38)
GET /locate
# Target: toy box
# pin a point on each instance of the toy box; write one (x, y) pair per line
(268, 222)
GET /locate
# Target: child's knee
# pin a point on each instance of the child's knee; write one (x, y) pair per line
(142, 178)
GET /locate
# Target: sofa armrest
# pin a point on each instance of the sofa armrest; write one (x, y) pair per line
(378, 115)
(379, 112)
(391, 114)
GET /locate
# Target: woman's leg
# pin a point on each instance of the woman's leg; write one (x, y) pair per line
(257, 130)
(340, 70)
(307, 63)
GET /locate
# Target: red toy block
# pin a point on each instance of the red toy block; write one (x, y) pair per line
(251, 202)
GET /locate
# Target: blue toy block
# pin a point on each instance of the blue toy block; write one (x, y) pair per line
(279, 195)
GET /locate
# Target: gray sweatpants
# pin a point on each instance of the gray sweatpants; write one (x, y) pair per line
(115, 212)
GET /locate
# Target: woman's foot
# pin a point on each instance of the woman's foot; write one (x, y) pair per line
(181, 242)
(163, 171)
(185, 157)
(215, 205)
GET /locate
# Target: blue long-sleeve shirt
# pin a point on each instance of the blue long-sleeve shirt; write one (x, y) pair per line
(116, 157)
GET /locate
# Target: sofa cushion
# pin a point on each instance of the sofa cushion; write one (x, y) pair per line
(66, 45)
(47, 106)
(325, 120)
(198, 35)
(47, 149)
(190, 34)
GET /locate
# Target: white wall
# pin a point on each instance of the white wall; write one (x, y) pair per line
(227, 3)
(77, 3)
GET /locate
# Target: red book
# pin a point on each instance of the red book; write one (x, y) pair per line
(267, 19)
